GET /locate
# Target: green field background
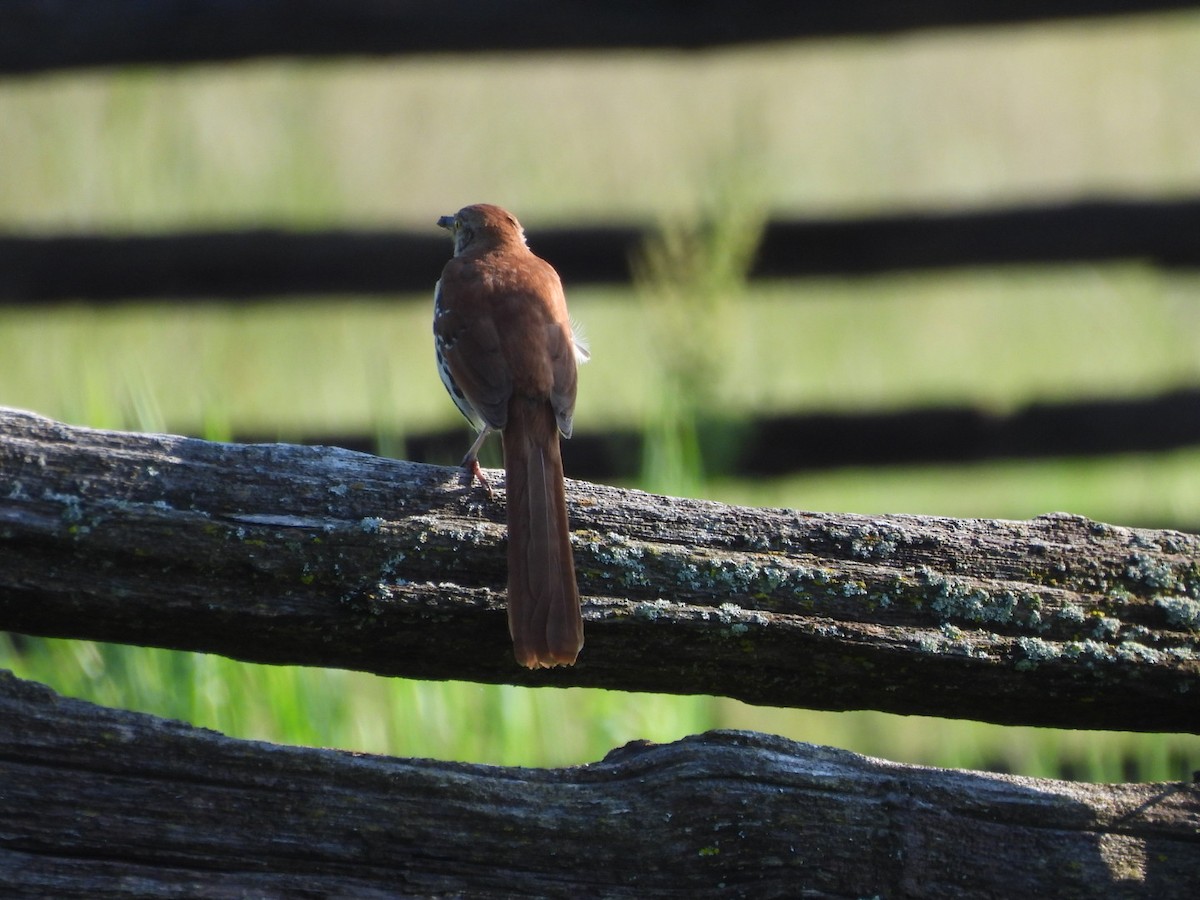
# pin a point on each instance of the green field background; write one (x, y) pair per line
(940, 120)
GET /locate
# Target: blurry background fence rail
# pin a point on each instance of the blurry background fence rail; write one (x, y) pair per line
(36, 36)
(248, 264)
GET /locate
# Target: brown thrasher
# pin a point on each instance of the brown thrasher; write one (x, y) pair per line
(507, 354)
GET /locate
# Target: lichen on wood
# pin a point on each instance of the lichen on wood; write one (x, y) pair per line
(319, 556)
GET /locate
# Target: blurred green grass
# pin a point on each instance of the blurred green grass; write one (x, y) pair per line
(923, 119)
(497, 724)
(997, 115)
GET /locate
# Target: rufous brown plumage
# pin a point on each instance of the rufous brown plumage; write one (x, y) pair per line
(508, 355)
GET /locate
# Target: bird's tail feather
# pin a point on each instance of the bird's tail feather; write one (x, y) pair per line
(543, 598)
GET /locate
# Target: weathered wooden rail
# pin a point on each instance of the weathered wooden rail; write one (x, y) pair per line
(317, 556)
(348, 560)
(99, 802)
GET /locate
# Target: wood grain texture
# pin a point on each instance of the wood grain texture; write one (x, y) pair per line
(98, 802)
(283, 554)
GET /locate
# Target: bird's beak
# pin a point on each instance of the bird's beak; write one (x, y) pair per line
(446, 222)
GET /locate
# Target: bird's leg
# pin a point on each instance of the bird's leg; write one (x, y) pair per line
(471, 462)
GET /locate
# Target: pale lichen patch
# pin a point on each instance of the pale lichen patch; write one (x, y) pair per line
(1181, 611)
(1153, 573)
(1035, 652)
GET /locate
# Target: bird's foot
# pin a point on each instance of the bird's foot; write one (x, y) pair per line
(472, 472)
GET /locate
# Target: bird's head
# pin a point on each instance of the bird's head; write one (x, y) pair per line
(482, 226)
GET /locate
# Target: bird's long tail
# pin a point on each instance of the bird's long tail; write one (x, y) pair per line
(543, 599)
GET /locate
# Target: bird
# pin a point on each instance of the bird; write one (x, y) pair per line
(509, 354)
